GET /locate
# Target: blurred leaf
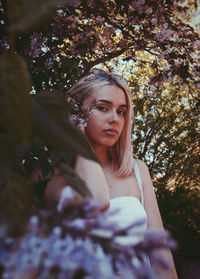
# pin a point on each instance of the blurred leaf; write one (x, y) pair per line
(74, 180)
(16, 200)
(68, 139)
(15, 106)
(56, 157)
(27, 15)
(53, 102)
(8, 146)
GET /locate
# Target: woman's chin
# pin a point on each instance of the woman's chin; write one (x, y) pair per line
(106, 144)
(110, 144)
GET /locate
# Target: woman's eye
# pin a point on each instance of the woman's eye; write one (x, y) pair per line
(101, 108)
(121, 112)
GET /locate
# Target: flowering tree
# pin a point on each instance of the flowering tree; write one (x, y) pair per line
(90, 32)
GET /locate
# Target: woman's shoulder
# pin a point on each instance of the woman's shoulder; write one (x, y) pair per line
(144, 172)
(145, 176)
(141, 164)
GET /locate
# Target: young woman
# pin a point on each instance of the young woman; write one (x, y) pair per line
(119, 178)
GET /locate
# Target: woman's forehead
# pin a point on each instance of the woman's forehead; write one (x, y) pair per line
(109, 92)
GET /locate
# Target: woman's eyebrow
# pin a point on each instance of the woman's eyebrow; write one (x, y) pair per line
(109, 102)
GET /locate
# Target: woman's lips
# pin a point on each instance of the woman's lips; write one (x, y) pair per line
(111, 132)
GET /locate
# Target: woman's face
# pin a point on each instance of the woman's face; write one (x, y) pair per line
(106, 122)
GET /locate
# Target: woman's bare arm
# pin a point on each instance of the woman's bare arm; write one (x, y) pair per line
(91, 172)
(153, 214)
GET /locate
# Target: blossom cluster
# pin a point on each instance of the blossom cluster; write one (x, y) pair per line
(84, 246)
(37, 45)
(79, 117)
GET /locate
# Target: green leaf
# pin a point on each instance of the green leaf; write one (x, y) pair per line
(74, 180)
(15, 105)
(26, 15)
(65, 138)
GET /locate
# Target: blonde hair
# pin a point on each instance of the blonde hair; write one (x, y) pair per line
(121, 153)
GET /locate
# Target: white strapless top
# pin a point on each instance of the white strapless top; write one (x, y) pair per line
(129, 211)
(125, 211)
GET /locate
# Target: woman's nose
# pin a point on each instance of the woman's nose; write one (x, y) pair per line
(113, 116)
